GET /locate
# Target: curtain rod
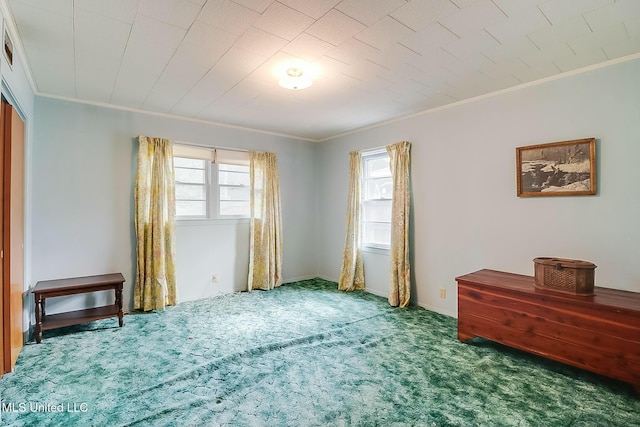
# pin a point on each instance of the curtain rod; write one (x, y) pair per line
(190, 144)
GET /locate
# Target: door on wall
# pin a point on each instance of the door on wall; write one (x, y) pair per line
(12, 233)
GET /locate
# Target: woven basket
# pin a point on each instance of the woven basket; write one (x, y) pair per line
(565, 275)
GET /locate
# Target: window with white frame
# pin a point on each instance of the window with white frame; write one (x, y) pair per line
(233, 190)
(377, 190)
(211, 183)
(192, 187)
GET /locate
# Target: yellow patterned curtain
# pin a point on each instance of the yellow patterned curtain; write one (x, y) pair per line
(352, 271)
(265, 251)
(399, 160)
(155, 216)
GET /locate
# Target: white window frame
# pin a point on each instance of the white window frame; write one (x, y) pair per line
(367, 156)
(207, 189)
(217, 186)
(212, 186)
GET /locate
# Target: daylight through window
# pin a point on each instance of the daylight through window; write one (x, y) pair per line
(205, 189)
(191, 187)
(377, 191)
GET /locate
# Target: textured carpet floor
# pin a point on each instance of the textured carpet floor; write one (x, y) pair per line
(301, 355)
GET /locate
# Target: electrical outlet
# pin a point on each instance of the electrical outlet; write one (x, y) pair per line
(443, 293)
(214, 278)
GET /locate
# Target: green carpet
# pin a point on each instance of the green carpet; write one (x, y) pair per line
(301, 355)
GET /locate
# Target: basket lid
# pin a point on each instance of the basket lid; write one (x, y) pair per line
(564, 262)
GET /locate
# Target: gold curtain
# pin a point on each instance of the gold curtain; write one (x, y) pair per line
(399, 160)
(155, 215)
(352, 271)
(265, 251)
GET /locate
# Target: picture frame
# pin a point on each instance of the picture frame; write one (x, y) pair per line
(565, 168)
(7, 46)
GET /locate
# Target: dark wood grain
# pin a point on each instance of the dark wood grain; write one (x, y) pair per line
(600, 333)
(76, 285)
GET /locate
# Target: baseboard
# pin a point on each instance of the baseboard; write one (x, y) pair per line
(425, 306)
(330, 279)
(438, 310)
(299, 279)
(377, 292)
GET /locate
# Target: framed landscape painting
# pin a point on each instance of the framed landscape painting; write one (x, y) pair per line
(566, 168)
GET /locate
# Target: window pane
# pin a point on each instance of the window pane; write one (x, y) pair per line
(190, 192)
(376, 199)
(379, 188)
(191, 208)
(377, 210)
(234, 193)
(195, 176)
(377, 167)
(377, 233)
(188, 163)
(233, 168)
(233, 178)
(238, 208)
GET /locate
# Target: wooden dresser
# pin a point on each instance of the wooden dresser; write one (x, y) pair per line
(599, 333)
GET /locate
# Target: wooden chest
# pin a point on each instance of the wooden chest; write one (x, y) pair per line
(599, 333)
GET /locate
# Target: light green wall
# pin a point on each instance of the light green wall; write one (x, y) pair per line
(83, 170)
(467, 215)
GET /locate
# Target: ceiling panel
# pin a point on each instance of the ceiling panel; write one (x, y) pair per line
(307, 47)
(583, 59)
(95, 77)
(142, 65)
(102, 33)
(384, 33)
(604, 38)
(536, 72)
(418, 14)
(430, 37)
(55, 73)
(369, 11)
(518, 25)
(373, 60)
(257, 5)
(351, 51)
(559, 33)
(122, 10)
(283, 21)
(478, 15)
(609, 15)
(315, 9)
(260, 42)
(180, 13)
(228, 16)
(559, 10)
(335, 27)
(472, 47)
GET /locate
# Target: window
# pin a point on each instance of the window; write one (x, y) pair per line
(191, 187)
(376, 199)
(233, 190)
(211, 190)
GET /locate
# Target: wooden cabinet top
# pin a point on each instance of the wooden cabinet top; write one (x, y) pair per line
(525, 284)
(46, 286)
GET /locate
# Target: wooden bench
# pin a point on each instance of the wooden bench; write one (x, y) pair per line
(77, 285)
(599, 333)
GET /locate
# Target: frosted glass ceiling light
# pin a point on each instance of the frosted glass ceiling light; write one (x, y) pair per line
(295, 80)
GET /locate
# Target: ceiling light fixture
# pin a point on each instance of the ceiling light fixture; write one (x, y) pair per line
(295, 79)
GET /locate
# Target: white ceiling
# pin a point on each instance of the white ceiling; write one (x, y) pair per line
(376, 60)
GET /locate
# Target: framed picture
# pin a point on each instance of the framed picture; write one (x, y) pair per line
(566, 168)
(7, 46)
